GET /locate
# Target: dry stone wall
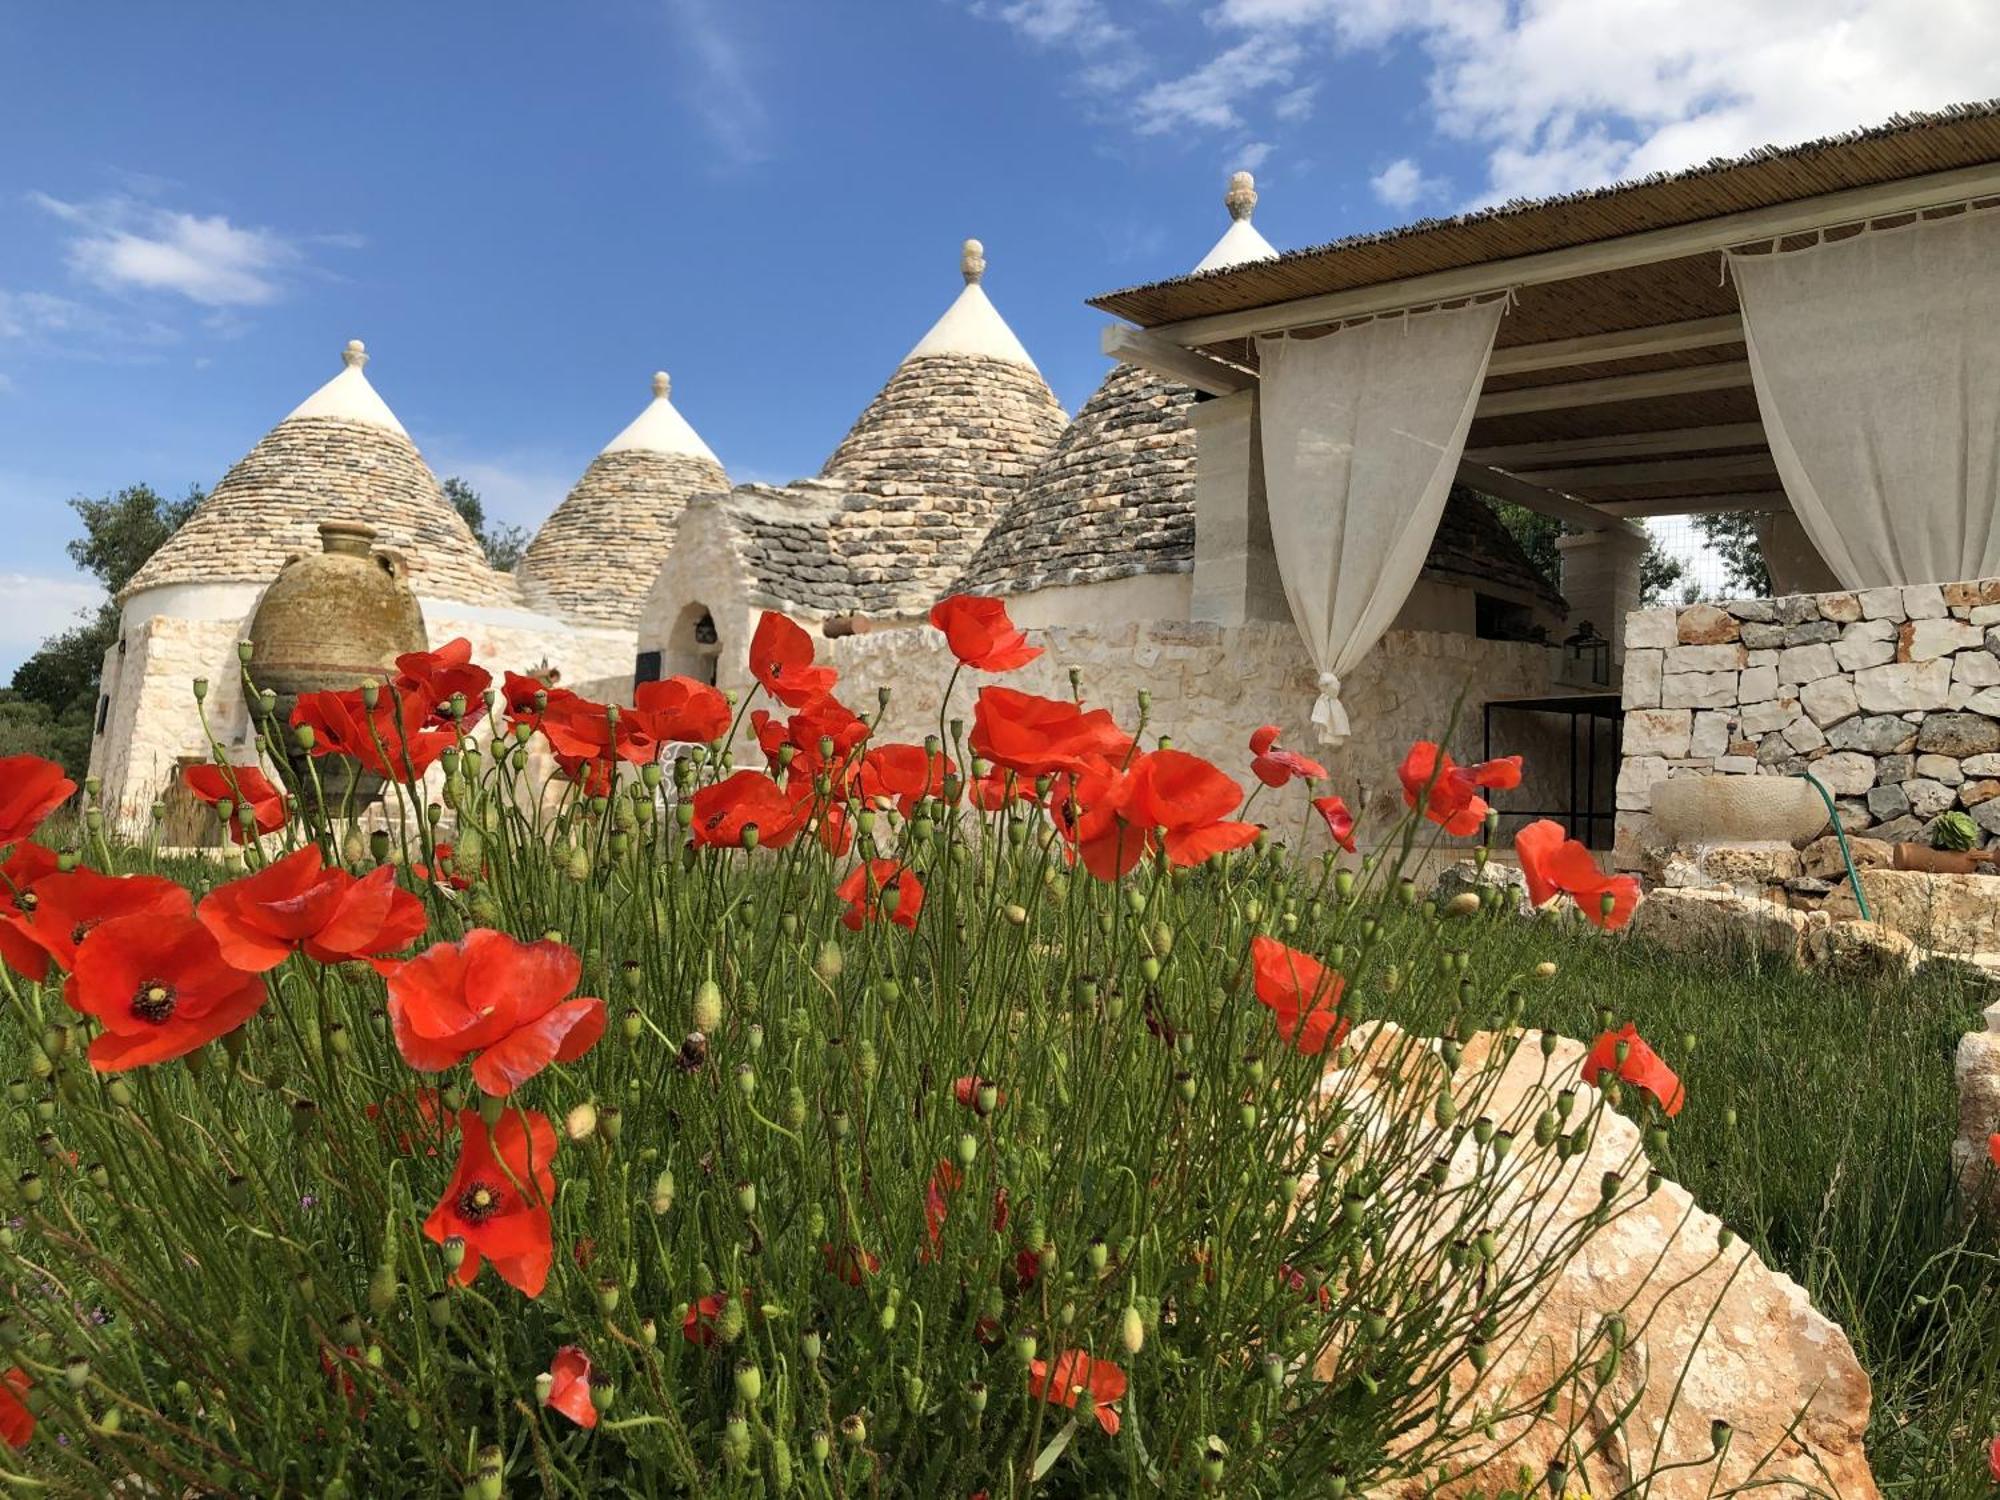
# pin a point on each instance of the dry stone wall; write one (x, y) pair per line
(1890, 696)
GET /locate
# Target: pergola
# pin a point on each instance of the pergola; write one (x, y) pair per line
(1619, 385)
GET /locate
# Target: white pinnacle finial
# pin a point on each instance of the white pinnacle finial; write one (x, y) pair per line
(972, 262)
(355, 355)
(661, 385)
(1241, 198)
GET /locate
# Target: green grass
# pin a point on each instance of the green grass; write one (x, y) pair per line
(1836, 1164)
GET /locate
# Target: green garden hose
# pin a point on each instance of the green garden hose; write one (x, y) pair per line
(1833, 816)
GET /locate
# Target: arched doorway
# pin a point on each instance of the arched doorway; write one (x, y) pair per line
(693, 647)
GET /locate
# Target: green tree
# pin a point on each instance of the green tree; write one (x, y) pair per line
(1660, 572)
(53, 702)
(502, 543)
(1733, 535)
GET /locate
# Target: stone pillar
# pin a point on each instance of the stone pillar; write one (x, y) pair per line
(1235, 566)
(1790, 557)
(1600, 578)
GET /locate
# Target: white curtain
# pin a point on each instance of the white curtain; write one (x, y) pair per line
(1877, 365)
(1363, 429)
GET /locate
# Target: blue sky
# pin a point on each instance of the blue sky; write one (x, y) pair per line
(525, 209)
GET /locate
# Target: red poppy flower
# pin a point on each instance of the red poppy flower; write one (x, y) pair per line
(161, 987)
(436, 676)
(749, 799)
(582, 734)
(698, 1327)
(1301, 992)
(781, 658)
(870, 888)
(395, 740)
(338, 1366)
(825, 720)
(446, 871)
(901, 775)
(527, 698)
(492, 995)
(830, 823)
(966, 1092)
(1993, 1459)
(30, 789)
(1339, 821)
(1555, 864)
(1993, 1148)
(945, 1179)
(1452, 800)
(681, 710)
(1000, 786)
(414, 1116)
(1035, 736)
(498, 1199)
(1123, 812)
(245, 788)
(1642, 1067)
(60, 910)
(569, 1386)
(20, 870)
(1077, 1376)
(17, 1423)
(292, 903)
(1275, 767)
(980, 634)
(850, 1263)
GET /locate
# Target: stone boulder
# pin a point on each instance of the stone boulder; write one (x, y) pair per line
(1722, 922)
(1507, 881)
(1822, 856)
(1714, 1334)
(1949, 913)
(1977, 1069)
(1861, 949)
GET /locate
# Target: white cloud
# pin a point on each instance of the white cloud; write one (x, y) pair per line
(124, 244)
(1213, 94)
(1250, 156)
(40, 605)
(1402, 184)
(723, 98)
(1083, 24)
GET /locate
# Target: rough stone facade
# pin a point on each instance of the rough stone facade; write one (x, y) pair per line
(1890, 696)
(596, 556)
(1114, 499)
(312, 469)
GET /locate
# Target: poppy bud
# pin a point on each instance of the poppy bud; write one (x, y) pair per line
(1464, 904)
(544, 1383)
(810, 1344)
(829, 962)
(1719, 1433)
(454, 1251)
(707, 1005)
(746, 1196)
(580, 1124)
(1131, 1330)
(853, 1431)
(746, 1080)
(76, 1372)
(607, 1297)
(491, 1108)
(378, 845)
(1725, 1237)
(1558, 1478)
(1610, 1186)
(1024, 1348)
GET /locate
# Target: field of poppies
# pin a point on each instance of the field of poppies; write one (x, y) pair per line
(977, 1117)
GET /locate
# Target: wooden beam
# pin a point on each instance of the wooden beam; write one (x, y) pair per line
(1828, 210)
(1700, 505)
(1654, 471)
(1176, 363)
(1523, 456)
(1630, 343)
(1613, 388)
(1544, 502)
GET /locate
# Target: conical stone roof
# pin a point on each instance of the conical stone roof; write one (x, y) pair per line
(341, 455)
(596, 556)
(939, 453)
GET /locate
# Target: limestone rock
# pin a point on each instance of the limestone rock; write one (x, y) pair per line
(1658, 731)
(1949, 913)
(1977, 1069)
(1845, 773)
(1882, 604)
(1829, 700)
(1959, 735)
(1722, 922)
(1505, 880)
(1900, 687)
(1812, 633)
(1923, 601)
(1923, 640)
(1714, 1337)
(1651, 629)
(1705, 625)
(1751, 867)
(1841, 607)
(1822, 856)
(1861, 949)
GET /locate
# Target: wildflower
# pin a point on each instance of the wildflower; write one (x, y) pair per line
(1339, 820)
(247, 790)
(162, 988)
(1040, 736)
(1301, 993)
(681, 710)
(901, 775)
(1993, 1459)
(64, 908)
(447, 872)
(967, 1091)
(749, 799)
(1276, 767)
(394, 740)
(781, 658)
(1556, 865)
(569, 1386)
(262, 918)
(17, 1423)
(587, 738)
(1993, 1148)
(520, 693)
(417, 1114)
(850, 1263)
(1077, 1375)
(495, 999)
(1452, 799)
(18, 874)
(868, 884)
(1641, 1067)
(980, 634)
(439, 676)
(30, 789)
(1166, 795)
(698, 1327)
(497, 1203)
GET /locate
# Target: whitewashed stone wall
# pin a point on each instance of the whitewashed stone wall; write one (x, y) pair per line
(1890, 696)
(1212, 685)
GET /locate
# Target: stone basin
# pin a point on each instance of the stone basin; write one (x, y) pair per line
(1693, 810)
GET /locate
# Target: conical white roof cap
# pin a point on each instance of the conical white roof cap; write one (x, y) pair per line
(348, 397)
(661, 429)
(1240, 242)
(972, 324)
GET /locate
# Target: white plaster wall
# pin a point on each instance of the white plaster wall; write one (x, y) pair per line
(1150, 596)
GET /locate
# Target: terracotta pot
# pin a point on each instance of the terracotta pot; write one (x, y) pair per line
(1926, 860)
(330, 621)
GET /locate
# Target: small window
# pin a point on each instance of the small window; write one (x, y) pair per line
(647, 668)
(1501, 619)
(103, 710)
